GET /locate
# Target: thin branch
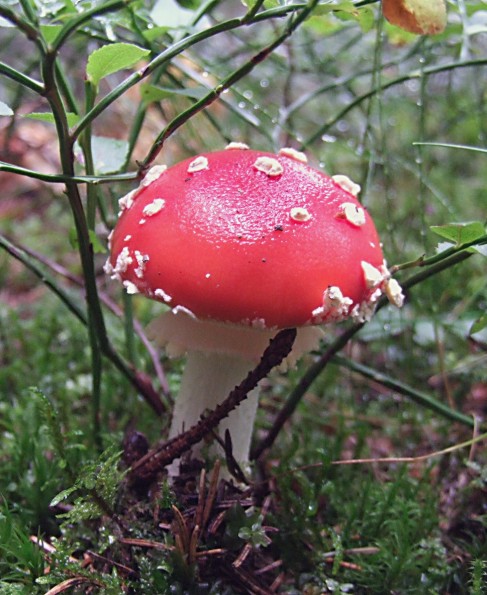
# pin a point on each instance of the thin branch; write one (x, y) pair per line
(300, 390)
(419, 458)
(226, 83)
(414, 74)
(155, 460)
(452, 146)
(252, 11)
(318, 367)
(169, 53)
(22, 24)
(417, 396)
(22, 256)
(21, 78)
(65, 179)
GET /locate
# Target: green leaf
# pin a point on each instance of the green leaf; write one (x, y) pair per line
(50, 32)
(98, 247)
(479, 324)
(326, 18)
(63, 495)
(347, 11)
(460, 233)
(155, 33)
(152, 93)
(73, 119)
(366, 18)
(189, 4)
(171, 14)
(267, 3)
(113, 58)
(345, 6)
(5, 110)
(109, 154)
(323, 24)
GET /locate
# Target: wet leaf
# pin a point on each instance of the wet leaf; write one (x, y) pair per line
(73, 119)
(5, 110)
(113, 58)
(479, 324)
(460, 233)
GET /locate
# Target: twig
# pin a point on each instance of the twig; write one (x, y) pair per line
(149, 465)
(317, 368)
(415, 395)
(417, 459)
(226, 83)
(70, 583)
(415, 74)
(297, 394)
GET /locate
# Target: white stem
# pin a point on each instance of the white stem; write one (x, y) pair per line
(219, 357)
(207, 380)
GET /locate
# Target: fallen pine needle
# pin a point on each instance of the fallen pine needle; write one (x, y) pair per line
(417, 459)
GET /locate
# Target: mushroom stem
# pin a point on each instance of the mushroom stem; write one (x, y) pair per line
(207, 380)
(219, 357)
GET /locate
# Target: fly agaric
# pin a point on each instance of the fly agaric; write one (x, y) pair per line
(240, 244)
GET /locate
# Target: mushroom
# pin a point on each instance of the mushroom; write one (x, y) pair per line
(240, 244)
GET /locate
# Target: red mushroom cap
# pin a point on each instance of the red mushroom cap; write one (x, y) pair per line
(249, 237)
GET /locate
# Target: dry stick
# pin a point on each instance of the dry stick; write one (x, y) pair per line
(317, 368)
(149, 465)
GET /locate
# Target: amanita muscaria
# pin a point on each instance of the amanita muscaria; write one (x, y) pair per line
(239, 244)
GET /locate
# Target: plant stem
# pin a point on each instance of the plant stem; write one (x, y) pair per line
(96, 324)
(22, 24)
(64, 178)
(176, 49)
(415, 74)
(21, 78)
(22, 256)
(226, 83)
(155, 460)
(299, 391)
(318, 367)
(419, 397)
